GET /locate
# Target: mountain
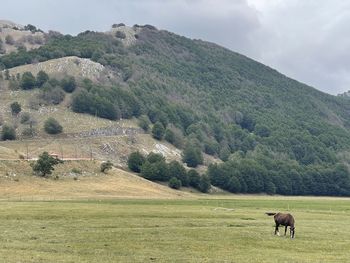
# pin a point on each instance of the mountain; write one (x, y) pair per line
(273, 133)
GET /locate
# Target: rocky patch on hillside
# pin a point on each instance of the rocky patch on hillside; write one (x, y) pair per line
(14, 36)
(73, 66)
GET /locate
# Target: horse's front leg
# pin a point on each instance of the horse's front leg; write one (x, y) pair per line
(285, 230)
(276, 230)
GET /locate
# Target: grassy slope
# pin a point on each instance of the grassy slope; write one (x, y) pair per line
(173, 231)
(70, 143)
(16, 183)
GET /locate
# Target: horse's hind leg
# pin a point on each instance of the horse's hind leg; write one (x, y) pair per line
(276, 230)
(285, 230)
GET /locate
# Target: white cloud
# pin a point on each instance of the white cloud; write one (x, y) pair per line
(307, 40)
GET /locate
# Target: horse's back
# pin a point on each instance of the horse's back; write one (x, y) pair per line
(284, 219)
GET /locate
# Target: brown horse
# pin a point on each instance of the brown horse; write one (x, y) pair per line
(284, 220)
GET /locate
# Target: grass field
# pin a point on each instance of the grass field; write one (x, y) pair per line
(233, 229)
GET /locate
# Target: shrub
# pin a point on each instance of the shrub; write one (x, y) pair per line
(144, 123)
(15, 108)
(41, 78)
(13, 84)
(54, 82)
(68, 84)
(25, 117)
(51, 95)
(120, 34)
(76, 170)
(118, 25)
(175, 183)
(105, 166)
(29, 132)
(9, 40)
(8, 133)
(158, 130)
(28, 81)
(52, 126)
(135, 161)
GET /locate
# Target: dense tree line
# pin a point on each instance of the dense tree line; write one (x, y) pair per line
(264, 174)
(154, 167)
(107, 102)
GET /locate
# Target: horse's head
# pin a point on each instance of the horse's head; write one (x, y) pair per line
(292, 231)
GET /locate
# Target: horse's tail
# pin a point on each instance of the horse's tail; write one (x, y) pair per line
(270, 213)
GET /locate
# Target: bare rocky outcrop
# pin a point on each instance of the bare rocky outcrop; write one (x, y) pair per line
(127, 35)
(109, 131)
(73, 66)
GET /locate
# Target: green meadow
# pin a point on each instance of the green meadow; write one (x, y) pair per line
(195, 230)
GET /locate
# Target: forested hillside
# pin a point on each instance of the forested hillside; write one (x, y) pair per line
(274, 134)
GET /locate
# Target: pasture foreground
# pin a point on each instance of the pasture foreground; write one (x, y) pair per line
(206, 230)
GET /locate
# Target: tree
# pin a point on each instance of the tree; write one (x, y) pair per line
(15, 108)
(28, 81)
(105, 166)
(41, 78)
(158, 130)
(52, 126)
(144, 123)
(178, 171)
(204, 184)
(32, 28)
(175, 183)
(169, 136)
(45, 164)
(157, 171)
(234, 185)
(194, 178)
(51, 95)
(68, 84)
(192, 155)
(262, 131)
(270, 188)
(135, 161)
(8, 133)
(224, 153)
(155, 157)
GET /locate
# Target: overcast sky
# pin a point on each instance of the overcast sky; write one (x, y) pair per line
(307, 40)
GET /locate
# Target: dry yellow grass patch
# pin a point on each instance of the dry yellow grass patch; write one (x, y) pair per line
(18, 183)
